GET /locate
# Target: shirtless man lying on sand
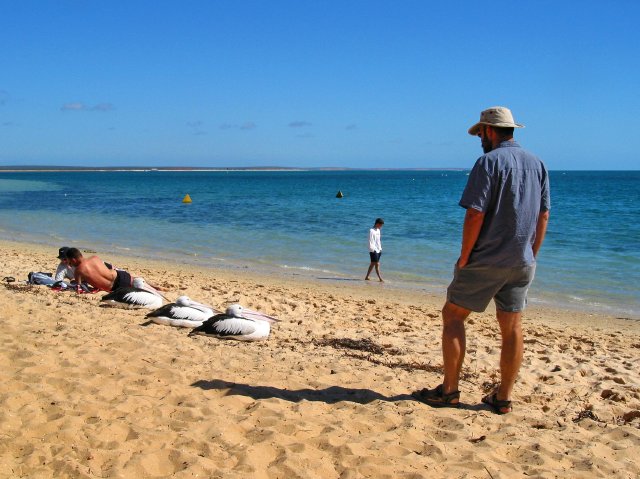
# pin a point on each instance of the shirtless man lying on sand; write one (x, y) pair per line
(93, 271)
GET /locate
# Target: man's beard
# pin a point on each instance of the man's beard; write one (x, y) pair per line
(486, 144)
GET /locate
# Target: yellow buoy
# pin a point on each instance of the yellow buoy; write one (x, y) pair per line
(339, 195)
(186, 199)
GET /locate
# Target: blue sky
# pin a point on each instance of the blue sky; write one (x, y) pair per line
(315, 83)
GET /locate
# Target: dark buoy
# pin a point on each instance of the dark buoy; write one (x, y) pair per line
(339, 194)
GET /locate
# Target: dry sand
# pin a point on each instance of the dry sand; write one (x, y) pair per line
(89, 391)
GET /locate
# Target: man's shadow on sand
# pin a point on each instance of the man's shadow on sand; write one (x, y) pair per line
(330, 395)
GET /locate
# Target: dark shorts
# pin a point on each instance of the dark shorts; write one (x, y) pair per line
(123, 280)
(474, 286)
(375, 257)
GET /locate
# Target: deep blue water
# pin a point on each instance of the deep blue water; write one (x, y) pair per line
(291, 221)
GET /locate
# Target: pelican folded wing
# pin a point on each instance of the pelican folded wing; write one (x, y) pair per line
(224, 326)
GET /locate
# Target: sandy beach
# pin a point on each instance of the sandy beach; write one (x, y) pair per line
(96, 392)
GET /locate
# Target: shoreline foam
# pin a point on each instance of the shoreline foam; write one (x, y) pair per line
(537, 298)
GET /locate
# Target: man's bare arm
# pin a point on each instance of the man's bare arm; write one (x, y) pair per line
(541, 231)
(78, 279)
(470, 231)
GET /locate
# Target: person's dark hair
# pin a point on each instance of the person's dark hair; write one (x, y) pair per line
(73, 253)
(379, 221)
(504, 131)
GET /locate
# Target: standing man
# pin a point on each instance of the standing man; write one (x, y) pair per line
(507, 202)
(375, 248)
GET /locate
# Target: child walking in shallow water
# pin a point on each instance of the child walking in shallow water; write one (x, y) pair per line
(375, 248)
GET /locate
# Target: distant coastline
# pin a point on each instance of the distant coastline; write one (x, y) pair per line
(43, 168)
(57, 168)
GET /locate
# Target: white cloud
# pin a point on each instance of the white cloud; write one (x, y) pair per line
(73, 107)
(247, 125)
(79, 106)
(299, 124)
(102, 107)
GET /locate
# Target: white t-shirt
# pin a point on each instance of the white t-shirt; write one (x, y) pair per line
(64, 271)
(375, 246)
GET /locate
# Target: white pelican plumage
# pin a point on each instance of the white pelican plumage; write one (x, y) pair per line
(184, 313)
(237, 323)
(140, 295)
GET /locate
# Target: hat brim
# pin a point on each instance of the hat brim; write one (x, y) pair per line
(473, 131)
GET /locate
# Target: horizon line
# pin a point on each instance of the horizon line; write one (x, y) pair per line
(44, 168)
(210, 168)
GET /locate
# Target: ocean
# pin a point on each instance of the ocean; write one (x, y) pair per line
(291, 222)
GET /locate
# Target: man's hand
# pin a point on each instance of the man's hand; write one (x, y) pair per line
(541, 231)
(470, 231)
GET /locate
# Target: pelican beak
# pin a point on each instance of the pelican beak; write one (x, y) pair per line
(153, 290)
(200, 306)
(256, 315)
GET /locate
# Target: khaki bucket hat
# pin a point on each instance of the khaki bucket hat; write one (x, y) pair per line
(499, 116)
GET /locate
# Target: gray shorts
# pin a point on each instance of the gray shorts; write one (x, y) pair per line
(474, 286)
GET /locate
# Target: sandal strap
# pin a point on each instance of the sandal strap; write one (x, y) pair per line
(447, 397)
(497, 404)
(500, 402)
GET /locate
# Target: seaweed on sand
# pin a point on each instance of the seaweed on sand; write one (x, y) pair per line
(368, 350)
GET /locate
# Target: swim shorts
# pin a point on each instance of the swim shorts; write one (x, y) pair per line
(474, 286)
(123, 280)
(375, 257)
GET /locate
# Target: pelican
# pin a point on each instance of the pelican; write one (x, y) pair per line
(237, 323)
(184, 313)
(139, 282)
(140, 295)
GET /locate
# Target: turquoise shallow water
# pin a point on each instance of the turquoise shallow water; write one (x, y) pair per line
(291, 222)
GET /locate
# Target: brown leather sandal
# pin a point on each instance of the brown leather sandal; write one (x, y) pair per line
(499, 406)
(437, 398)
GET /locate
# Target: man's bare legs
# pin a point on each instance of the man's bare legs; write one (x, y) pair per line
(369, 271)
(511, 353)
(453, 344)
(377, 267)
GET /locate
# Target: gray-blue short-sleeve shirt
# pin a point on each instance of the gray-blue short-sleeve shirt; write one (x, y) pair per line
(511, 187)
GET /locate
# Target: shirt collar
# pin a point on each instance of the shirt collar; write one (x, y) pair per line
(509, 143)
